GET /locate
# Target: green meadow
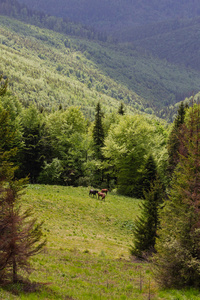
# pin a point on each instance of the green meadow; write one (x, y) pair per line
(87, 252)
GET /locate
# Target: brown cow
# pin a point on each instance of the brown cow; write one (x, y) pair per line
(104, 191)
(102, 195)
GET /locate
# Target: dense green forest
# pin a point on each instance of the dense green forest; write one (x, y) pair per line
(62, 146)
(176, 41)
(162, 29)
(114, 16)
(53, 69)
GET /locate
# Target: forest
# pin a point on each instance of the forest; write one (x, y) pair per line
(53, 68)
(59, 147)
(116, 16)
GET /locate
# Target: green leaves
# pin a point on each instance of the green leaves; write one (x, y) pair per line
(126, 147)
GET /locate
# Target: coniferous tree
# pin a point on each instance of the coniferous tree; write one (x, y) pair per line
(121, 110)
(173, 141)
(98, 142)
(145, 228)
(3, 85)
(98, 132)
(32, 155)
(19, 236)
(177, 262)
(150, 173)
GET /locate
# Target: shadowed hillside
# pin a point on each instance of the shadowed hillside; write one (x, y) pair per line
(114, 15)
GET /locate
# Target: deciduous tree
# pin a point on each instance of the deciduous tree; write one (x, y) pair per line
(126, 147)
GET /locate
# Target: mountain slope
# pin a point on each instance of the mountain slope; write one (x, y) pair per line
(48, 68)
(52, 69)
(177, 41)
(115, 14)
(165, 29)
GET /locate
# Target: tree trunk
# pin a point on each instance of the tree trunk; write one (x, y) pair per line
(14, 269)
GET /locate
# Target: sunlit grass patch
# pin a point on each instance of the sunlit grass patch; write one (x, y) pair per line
(87, 254)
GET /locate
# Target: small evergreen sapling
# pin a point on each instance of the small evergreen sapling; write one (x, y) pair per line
(20, 235)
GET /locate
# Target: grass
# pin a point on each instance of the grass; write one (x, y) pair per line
(87, 254)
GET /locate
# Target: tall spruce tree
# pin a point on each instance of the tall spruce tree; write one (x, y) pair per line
(177, 262)
(32, 156)
(173, 141)
(146, 225)
(149, 174)
(98, 133)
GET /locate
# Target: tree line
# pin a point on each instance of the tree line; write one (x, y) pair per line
(63, 147)
(21, 12)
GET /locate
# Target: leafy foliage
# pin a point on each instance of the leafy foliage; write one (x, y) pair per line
(126, 147)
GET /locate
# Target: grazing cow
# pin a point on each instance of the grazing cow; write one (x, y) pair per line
(102, 195)
(93, 192)
(104, 191)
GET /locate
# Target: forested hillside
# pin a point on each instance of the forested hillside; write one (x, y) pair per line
(52, 69)
(115, 15)
(164, 29)
(176, 41)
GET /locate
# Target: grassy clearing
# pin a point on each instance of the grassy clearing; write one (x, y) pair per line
(87, 254)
